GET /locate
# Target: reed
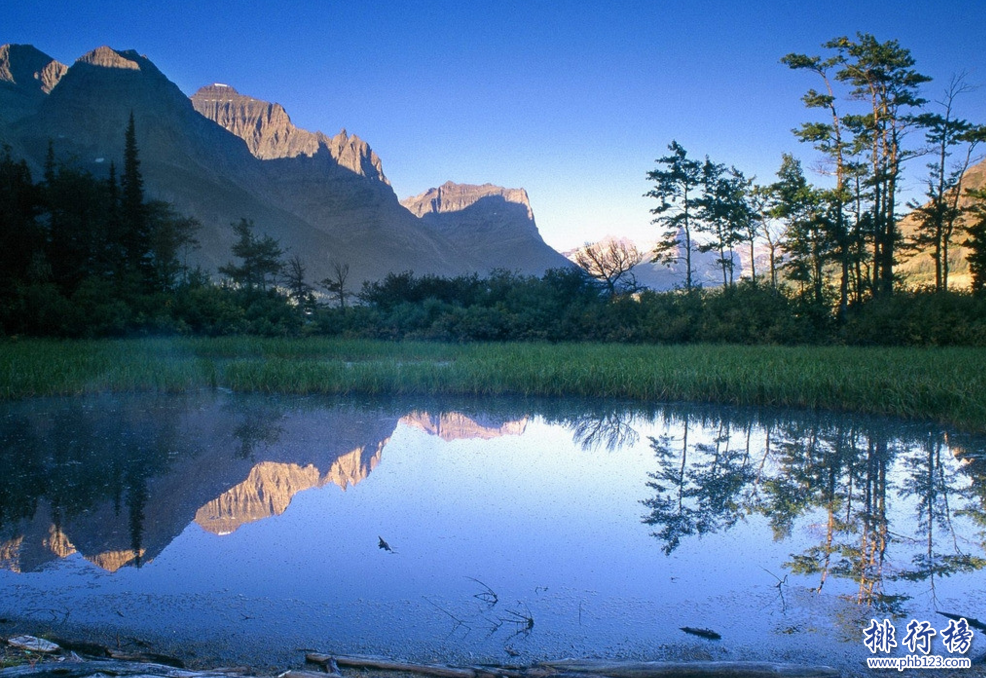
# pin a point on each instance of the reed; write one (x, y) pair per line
(945, 385)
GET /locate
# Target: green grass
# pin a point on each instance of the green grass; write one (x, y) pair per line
(945, 385)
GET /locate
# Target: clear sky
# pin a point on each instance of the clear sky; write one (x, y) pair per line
(571, 100)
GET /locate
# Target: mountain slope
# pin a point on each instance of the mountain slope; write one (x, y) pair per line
(497, 222)
(27, 75)
(221, 157)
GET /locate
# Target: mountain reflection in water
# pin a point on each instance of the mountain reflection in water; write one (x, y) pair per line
(116, 479)
(611, 525)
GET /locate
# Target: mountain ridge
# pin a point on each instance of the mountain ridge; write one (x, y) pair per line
(323, 198)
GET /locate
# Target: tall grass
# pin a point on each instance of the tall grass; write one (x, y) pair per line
(947, 385)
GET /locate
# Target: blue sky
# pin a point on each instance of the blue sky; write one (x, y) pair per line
(571, 100)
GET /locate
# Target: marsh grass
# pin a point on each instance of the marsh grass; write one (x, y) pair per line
(946, 385)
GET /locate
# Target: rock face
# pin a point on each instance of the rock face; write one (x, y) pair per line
(271, 486)
(269, 133)
(27, 75)
(452, 198)
(919, 268)
(222, 156)
(496, 221)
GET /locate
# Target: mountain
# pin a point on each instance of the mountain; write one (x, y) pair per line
(221, 156)
(269, 133)
(451, 426)
(491, 219)
(27, 75)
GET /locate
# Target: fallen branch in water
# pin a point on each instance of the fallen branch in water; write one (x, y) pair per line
(719, 669)
(708, 634)
(83, 669)
(971, 621)
(488, 596)
(389, 665)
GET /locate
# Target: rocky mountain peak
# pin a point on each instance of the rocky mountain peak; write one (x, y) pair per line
(106, 57)
(28, 68)
(269, 133)
(265, 127)
(27, 75)
(452, 197)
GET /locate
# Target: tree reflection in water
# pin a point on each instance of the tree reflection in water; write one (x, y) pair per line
(841, 472)
(609, 428)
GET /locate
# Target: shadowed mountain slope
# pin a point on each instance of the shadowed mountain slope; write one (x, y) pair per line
(222, 156)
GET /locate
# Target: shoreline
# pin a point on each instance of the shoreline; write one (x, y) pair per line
(34, 657)
(946, 385)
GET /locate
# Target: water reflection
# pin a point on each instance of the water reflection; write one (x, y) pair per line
(843, 474)
(117, 479)
(611, 525)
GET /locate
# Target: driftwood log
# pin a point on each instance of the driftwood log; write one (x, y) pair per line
(698, 669)
(86, 669)
(593, 669)
(384, 664)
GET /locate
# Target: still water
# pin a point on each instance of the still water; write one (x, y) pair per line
(230, 528)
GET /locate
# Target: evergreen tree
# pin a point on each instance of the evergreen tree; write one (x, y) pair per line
(976, 240)
(135, 238)
(172, 236)
(22, 240)
(835, 141)
(882, 75)
(723, 213)
(806, 242)
(676, 187)
(260, 257)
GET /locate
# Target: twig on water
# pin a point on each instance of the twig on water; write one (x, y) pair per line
(458, 622)
(488, 596)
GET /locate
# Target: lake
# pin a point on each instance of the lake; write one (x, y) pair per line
(237, 528)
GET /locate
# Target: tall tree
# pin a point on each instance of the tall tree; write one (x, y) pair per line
(937, 217)
(676, 185)
(299, 291)
(172, 236)
(976, 240)
(335, 284)
(135, 238)
(882, 76)
(22, 239)
(834, 141)
(723, 213)
(806, 241)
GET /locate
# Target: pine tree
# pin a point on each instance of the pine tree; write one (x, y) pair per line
(135, 238)
(261, 257)
(676, 187)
